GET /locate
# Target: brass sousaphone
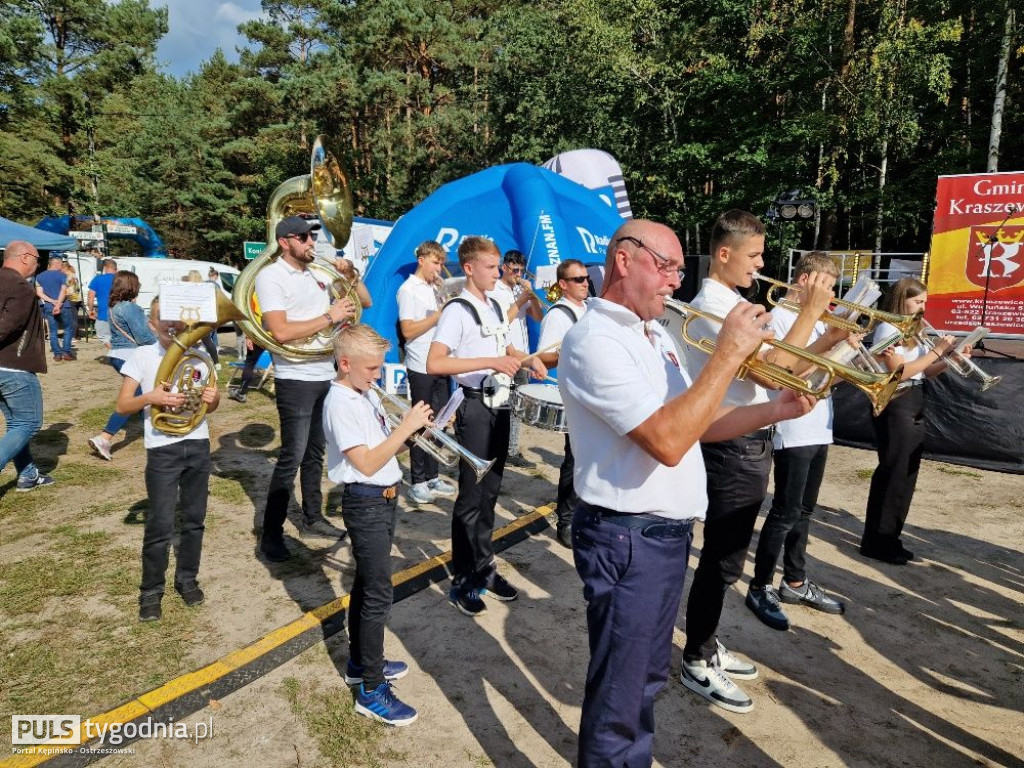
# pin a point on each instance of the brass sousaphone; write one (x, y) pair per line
(324, 191)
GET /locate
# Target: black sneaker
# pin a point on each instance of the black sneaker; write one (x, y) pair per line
(149, 608)
(764, 602)
(498, 588)
(810, 594)
(239, 397)
(322, 527)
(26, 484)
(468, 602)
(893, 558)
(190, 593)
(273, 549)
(564, 536)
(520, 461)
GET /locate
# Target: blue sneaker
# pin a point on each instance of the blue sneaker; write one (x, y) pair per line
(441, 487)
(764, 603)
(393, 670)
(382, 704)
(26, 484)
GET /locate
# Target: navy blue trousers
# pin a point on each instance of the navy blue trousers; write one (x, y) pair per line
(632, 582)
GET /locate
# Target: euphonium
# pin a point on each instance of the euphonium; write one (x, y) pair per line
(178, 369)
(879, 387)
(908, 325)
(435, 441)
(325, 191)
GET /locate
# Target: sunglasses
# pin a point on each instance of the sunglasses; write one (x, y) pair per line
(579, 280)
(302, 238)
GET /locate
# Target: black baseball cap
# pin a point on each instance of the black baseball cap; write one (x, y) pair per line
(295, 225)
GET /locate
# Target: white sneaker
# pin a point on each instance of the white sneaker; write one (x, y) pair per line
(441, 487)
(732, 665)
(714, 685)
(102, 447)
(421, 494)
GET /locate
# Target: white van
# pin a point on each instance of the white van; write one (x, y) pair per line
(152, 273)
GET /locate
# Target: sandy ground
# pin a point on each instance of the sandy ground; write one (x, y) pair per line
(925, 669)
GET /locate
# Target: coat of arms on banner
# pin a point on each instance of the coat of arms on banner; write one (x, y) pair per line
(996, 257)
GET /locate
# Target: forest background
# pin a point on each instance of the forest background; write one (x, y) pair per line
(706, 104)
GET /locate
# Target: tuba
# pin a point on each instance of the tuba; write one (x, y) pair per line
(178, 372)
(324, 191)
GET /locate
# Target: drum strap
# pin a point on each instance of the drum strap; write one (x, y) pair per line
(486, 330)
(567, 310)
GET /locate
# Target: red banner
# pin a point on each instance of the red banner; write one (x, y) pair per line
(976, 273)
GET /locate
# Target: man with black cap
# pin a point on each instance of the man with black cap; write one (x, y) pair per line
(296, 304)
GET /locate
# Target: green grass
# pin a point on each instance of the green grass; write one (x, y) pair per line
(71, 639)
(230, 487)
(343, 737)
(865, 474)
(95, 419)
(950, 470)
(85, 475)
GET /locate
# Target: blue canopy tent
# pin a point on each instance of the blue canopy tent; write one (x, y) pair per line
(521, 206)
(41, 239)
(146, 237)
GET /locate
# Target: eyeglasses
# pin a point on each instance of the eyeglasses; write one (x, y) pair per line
(303, 237)
(579, 280)
(514, 270)
(663, 263)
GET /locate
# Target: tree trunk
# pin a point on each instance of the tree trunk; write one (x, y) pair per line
(1000, 97)
(880, 210)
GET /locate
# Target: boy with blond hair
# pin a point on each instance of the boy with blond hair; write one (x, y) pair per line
(177, 466)
(361, 449)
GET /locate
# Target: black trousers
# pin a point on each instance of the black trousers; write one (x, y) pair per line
(737, 473)
(434, 391)
(485, 433)
(899, 437)
(300, 407)
(566, 499)
(177, 471)
(371, 529)
(798, 475)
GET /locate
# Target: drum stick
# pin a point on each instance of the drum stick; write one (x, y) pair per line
(549, 348)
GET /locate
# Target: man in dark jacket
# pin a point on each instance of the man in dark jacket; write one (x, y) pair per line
(22, 356)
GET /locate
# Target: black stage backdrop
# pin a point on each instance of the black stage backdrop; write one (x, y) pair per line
(965, 425)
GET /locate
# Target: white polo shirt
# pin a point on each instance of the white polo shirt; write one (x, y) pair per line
(506, 297)
(142, 364)
(814, 428)
(557, 322)
(457, 329)
(719, 300)
(883, 331)
(302, 296)
(417, 301)
(352, 419)
(612, 379)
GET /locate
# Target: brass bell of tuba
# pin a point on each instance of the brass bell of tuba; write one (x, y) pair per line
(324, 191)
(178, 372)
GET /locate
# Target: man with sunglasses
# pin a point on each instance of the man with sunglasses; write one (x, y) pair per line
(563, 314)
(517, 299)
(296, 304)
(636, 419)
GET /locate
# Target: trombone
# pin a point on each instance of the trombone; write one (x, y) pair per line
(879, 387)
(434, 440)
(958, 362)
(908, 325)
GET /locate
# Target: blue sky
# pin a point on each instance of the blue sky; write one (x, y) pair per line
(198, 28)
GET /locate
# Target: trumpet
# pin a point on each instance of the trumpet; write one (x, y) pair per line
(958, 362)
(908, 325)
(434, 440)
(879, 387)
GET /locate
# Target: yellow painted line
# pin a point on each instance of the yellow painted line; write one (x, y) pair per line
(192, 681)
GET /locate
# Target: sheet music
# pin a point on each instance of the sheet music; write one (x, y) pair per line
(188, 302)
(441, 419)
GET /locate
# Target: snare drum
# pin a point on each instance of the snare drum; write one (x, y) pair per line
(539, 405)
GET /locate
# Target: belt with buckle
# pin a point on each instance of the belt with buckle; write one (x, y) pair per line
(760, 434)
(473, 392)
(372, 491)
(910, 383)
(651, 526)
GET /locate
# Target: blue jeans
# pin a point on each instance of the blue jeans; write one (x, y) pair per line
(632, 582)
(67, 317)
(116, 421)
(21, 402)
